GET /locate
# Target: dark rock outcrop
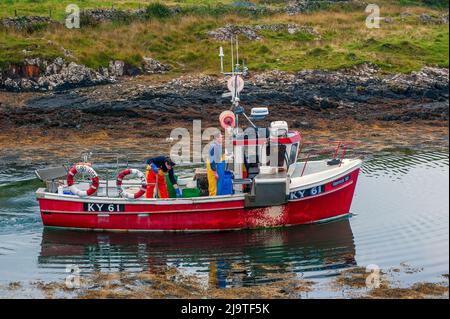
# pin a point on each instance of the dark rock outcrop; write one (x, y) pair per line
(40, 75)
(360, 93)
(36, 74)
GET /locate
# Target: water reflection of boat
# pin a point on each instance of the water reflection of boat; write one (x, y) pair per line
(236, 258)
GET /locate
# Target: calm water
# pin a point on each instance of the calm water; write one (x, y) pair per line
(400, 219)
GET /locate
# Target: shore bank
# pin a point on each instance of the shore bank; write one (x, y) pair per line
(401, 111)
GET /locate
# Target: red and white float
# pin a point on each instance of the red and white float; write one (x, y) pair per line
(131, 172)
(83, 168)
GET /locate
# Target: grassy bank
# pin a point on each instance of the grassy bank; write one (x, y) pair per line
(181, 40)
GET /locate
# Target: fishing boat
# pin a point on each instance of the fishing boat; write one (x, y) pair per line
(271, 185)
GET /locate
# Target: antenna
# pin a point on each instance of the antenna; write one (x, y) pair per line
(221, 55)
(237, 53)
(235, 82)
(236, 69)
(232, 56)
(236, 85)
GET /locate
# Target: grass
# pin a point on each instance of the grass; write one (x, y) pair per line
(57, 7)
(181, 39)
(14, 49)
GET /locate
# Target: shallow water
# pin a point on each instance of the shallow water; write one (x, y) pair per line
(400, 220)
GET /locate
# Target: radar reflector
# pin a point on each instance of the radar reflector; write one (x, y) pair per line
(235, 84)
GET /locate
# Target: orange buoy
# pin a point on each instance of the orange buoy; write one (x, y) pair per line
(227, 119)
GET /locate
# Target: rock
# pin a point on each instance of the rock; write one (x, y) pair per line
(302, 124)
(131, 70)
(424, 79)
(251, 32)
(192, 82)
(300, 6)
(55, 67)
(24, 22)
(296, 7)
(103, 71)
(361, 93)
(274, 77)
(405, 14)
(103, 15)
(225, 33)
(432, 19)
(292, 29)
(116, 68)
(295, 28)
(54, 76)
(425, 18)
(152, 66)
(244, 4)
(11, 85)
(270, 27)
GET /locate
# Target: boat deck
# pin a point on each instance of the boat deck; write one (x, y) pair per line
(314, 172)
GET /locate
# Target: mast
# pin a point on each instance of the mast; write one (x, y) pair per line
(235, 83)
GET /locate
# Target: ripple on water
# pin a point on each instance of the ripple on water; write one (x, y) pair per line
(403, 213)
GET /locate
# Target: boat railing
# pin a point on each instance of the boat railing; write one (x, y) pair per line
(324, 149)
(113, 162)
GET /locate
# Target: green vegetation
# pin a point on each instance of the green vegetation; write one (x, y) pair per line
(179, 37)
(56, 8)
(442, 4)
(14, 49)
(158, 10)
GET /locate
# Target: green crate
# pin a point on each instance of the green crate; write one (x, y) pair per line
(170, 188)
(191, 192)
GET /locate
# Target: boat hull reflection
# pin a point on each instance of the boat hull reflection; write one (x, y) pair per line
(227, 258)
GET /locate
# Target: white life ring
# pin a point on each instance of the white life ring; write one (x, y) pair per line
(131, 172)
(86, 169)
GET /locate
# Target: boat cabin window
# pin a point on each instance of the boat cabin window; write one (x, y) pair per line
(293, 154)
(252, 159)
(276, 155)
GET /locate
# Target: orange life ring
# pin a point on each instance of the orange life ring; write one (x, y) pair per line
(87, 169)
(227, 119)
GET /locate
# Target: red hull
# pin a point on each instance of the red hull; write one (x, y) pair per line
(334, 202)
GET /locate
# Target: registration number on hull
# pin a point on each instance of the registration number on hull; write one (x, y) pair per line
(108, 208)
(307, 192)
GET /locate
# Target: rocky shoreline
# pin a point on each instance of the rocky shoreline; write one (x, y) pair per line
(36, 74)
(361, 93)
(403, 112)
